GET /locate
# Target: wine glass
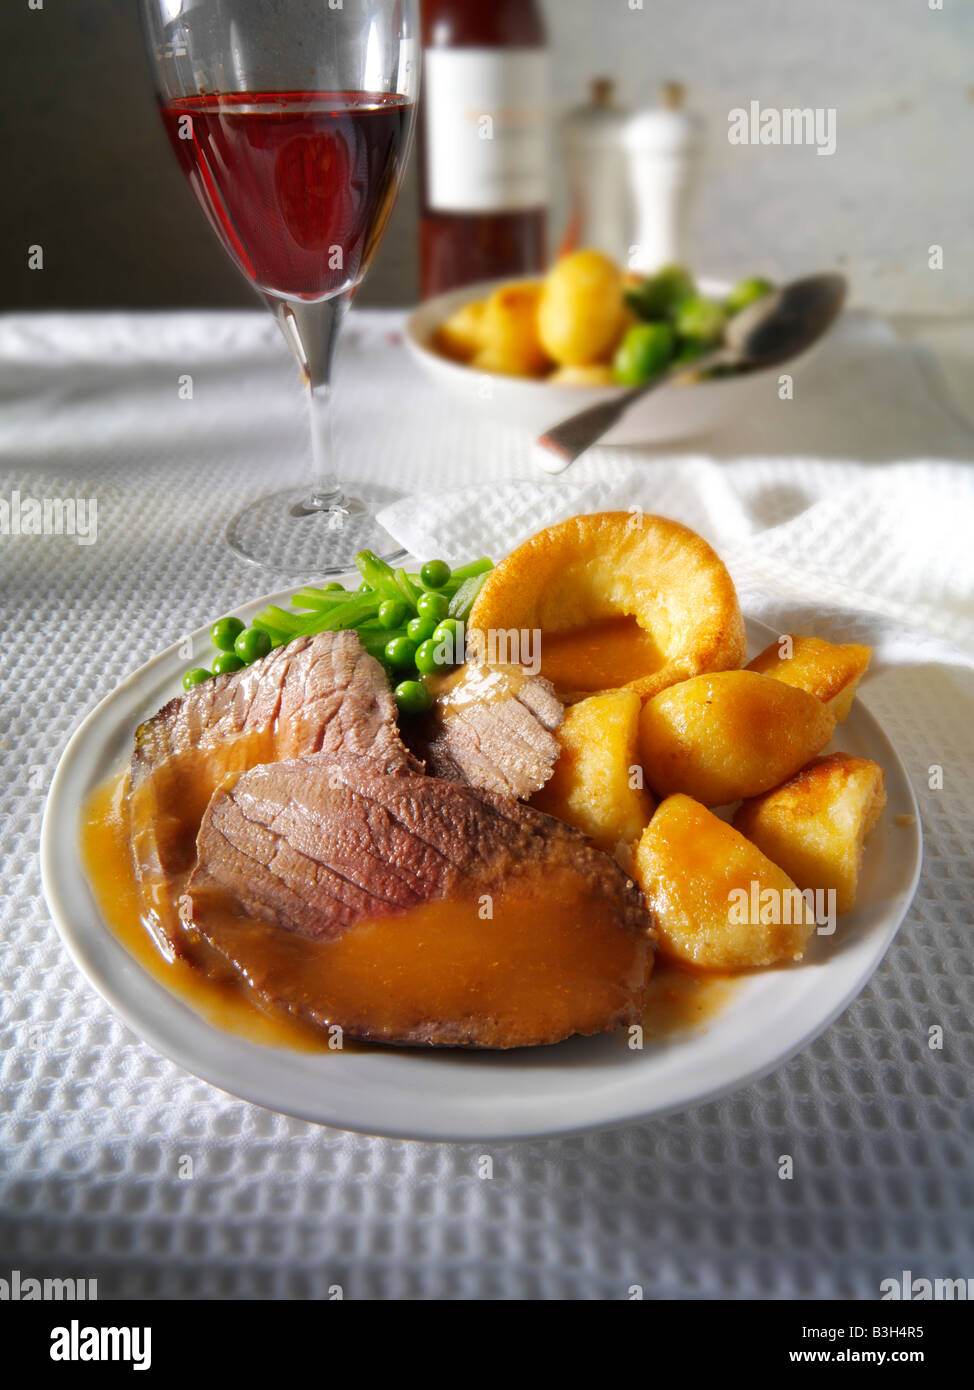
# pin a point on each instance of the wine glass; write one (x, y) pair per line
(292, 121)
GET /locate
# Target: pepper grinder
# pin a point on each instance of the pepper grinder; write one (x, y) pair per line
(664, 146)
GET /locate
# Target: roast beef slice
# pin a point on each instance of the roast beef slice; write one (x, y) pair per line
(500, 743)
(316, 847)
(316, 693)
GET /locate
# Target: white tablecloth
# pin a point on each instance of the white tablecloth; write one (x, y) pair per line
(850, 511)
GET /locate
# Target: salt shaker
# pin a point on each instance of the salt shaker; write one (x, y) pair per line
(664, 146)
(595, 152)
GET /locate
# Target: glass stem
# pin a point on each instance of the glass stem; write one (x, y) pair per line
(312, 333)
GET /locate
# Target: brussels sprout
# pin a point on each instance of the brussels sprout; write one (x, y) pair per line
(660, 294)
(745, 292)
(701, 320)
(644, 351)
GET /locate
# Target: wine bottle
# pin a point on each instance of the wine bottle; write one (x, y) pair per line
(483, 141)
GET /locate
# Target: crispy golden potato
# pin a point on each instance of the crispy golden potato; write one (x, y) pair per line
(582, 313)
(592, 374)
(828, 671)
(592, 786)
(509, 341)
(731, 734)
(720, 904)
(815, 825)
(620, 599)
(461, 336)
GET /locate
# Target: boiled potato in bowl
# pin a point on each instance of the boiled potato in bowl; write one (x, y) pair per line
(590, 323)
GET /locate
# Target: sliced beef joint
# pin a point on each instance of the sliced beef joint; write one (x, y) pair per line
(316, 693)
(492, 727)
(408, 909)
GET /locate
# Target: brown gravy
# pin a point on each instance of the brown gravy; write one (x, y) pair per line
(373, 958)
(532, 962)
(474, 683)
(683, 1001)
(600, 656)
(227, 1003)
(164, 842)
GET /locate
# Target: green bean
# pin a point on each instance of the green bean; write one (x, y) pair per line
(343, 615)
(278, 638)
(407, 589)
(475, 568)
(449, 588)
(280, 618)
(378, 574)
(463, 600)
(375, 642)
(319, 598)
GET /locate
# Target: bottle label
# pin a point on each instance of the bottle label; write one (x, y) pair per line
(486, 129)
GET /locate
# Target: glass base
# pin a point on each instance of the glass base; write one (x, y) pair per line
(284, 533)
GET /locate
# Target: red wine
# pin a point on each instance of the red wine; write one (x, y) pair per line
(483, 187)
(297, 185)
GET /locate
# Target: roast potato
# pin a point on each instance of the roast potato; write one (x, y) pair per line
(621, 568)
(461, 336)
(720, 904)
(830, 672)
(815, 824)
(592, 374)
(592, 784)
(582, 313)
(509, 341)
(728, 735)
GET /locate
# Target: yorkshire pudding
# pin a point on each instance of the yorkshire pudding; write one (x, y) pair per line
(622, 600)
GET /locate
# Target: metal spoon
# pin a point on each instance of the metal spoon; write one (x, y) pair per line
(779, 326)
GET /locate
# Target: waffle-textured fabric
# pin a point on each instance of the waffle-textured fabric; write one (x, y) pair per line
(848, 511)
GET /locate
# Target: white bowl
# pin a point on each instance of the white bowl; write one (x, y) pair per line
(676, 411)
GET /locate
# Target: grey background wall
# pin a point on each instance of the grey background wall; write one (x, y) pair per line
(87, 172)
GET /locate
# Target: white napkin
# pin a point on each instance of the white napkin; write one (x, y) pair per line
(95, 1127)
(896, 543)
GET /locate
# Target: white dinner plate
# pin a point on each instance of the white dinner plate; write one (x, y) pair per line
(451, 1094)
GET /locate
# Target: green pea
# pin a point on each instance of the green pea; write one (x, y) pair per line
(700, 319)
(435, 606)
(450, 634)
(418, 629)
(364, 588)
(227, 662)
(392, 613)
(413, 697)
(746, 292)
(252, 645)
(431, 656)
(400, 652)
(435, 574)
(196, 677)
(645, 350)
(224, 633)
